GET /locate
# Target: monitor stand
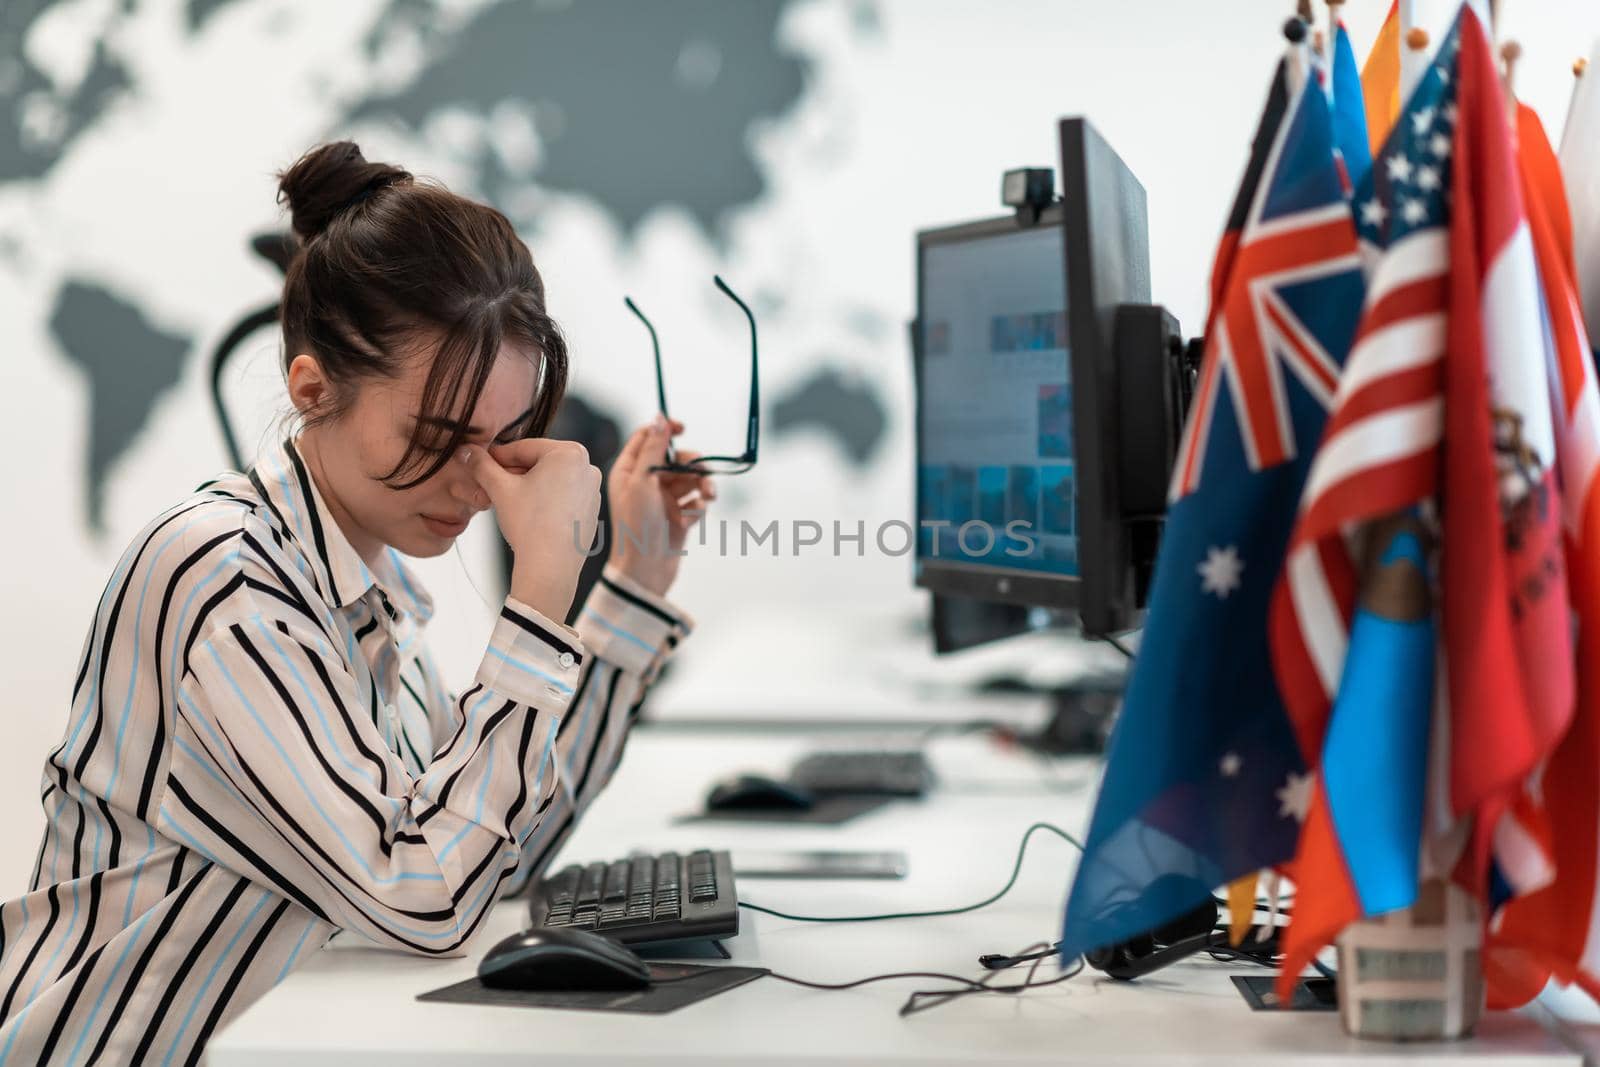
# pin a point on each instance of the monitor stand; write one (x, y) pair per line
(1081, 715)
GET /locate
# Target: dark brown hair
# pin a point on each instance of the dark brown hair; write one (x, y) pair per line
(388, 264)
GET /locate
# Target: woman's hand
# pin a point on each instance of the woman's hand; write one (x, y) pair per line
(651, 513)
(546, 499)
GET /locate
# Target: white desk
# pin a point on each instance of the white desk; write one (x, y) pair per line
(354, 1006)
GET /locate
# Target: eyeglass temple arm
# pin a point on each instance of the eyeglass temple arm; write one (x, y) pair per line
(661, 382)
(755, 390)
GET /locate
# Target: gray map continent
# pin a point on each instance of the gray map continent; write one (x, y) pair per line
(849, 412)
(637, 104)
(24, 89)
(129, 364)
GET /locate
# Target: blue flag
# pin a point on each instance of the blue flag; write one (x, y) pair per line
(1349, 110)
(1204, 780)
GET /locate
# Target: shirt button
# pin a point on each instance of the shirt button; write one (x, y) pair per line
(389, 710)
(565, 659)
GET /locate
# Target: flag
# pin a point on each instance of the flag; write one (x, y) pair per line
(1448, 351)
(1507, 619)
(1380, 80)
(1349, 109)
(1203, 780)
(1580, 165)
(1555, 930)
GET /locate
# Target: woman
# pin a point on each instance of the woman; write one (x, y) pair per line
(261, 752)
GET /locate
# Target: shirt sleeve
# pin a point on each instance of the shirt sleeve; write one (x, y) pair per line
(277, 774)
(630, 633)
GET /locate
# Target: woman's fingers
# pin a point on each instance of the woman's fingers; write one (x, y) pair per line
(528, 451)
(678, 485)
(647, 446)
(628, 458)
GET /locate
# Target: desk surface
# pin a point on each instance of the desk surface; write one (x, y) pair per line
(356, 1005)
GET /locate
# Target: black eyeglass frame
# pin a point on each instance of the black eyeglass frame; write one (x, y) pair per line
(711, 464)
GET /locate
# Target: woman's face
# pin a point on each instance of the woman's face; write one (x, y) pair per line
(349, 457)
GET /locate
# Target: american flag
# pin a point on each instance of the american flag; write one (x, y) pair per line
(1379, 450)
(1450, 349)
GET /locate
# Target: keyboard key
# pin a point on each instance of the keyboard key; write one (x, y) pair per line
(593, 879)
(616, 884)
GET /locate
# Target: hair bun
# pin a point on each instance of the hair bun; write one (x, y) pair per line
(330, 180)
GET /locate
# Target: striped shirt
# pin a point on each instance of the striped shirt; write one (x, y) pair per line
(261, 753)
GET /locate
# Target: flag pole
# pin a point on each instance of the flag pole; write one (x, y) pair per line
(1579, 67)
(1413, 53)
(1413, 60)
(1334, 19)
(1308, 15)
(1510, 52)
(1298, 30)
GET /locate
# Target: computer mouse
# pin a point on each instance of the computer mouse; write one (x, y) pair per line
(758, 792)
(562, 958)
(1006, 683)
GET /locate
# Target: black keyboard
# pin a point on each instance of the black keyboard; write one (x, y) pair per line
(643, 898)
(903, 774)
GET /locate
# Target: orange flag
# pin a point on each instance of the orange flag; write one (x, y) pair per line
(1380, 80)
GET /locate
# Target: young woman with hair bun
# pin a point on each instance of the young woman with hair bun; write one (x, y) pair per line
(261, 751)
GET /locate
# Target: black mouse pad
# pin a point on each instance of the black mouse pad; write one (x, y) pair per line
(828, 811)
(681, 984)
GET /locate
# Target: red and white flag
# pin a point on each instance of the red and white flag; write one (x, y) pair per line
(1503, 582)
(1556, 931)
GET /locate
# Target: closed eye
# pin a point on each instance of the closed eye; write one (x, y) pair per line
(519, 429)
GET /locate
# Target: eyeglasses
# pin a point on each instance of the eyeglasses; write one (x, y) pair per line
(710, 464)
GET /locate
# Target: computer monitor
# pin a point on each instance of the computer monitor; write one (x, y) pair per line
(996, 497)
(1126, 369)
(1044, 413)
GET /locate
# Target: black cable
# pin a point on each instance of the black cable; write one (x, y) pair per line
(1111, 640)
(914, 1005)
(977, 984)
(1016, 869)
(1227, 954)
(994, 961)
(917, 1001)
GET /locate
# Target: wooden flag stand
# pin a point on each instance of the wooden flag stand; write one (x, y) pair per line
(1414, 974)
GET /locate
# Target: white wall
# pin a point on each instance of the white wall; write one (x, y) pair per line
(897, 132)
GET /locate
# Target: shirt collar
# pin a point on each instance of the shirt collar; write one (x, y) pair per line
(281, 475)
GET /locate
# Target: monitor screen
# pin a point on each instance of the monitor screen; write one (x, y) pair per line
(996, 492)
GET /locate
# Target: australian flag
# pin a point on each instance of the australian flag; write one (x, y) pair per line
(1204, 782)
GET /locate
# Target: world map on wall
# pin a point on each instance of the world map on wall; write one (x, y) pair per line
(664, 122)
